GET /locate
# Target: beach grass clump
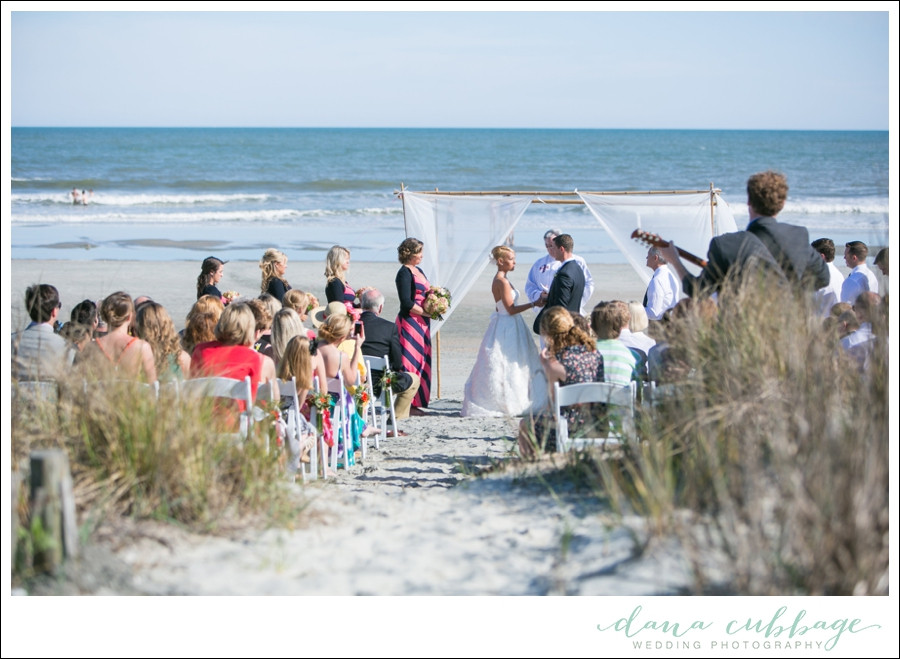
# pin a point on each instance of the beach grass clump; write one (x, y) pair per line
(167, 458)
(770, 451)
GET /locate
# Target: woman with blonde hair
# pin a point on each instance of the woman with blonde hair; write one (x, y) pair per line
(507, 379)
(153, 324)
(336, 329)
(301, 360)
(285, 326)
(273, 265)
(336, 265)
(117, 353)
(570, 356)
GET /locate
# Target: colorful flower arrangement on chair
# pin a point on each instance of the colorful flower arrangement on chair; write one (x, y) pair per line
(360, 399)
(436, 303)
(322, 402)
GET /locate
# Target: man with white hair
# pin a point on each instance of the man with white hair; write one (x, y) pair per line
(541, 274)
(383, 339)
(664, 289)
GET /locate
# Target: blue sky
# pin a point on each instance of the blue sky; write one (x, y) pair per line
(555, 69)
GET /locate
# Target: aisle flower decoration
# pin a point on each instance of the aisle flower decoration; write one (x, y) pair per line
(229, 296)
(273, 423)
(387, 385)
(436, 303)
(360, 398)
(322, 402)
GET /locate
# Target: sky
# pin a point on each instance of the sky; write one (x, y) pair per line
(493, 69)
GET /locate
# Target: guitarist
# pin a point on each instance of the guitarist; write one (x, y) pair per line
(789, 244)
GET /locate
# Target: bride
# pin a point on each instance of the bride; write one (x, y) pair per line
(507, 379)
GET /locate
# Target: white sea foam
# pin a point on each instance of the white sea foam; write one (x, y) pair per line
(113, 199)
(89, 215)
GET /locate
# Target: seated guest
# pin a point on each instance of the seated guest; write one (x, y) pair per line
(607, 320)
(301, 361)
(263, 341)
(667, 361)
(154, 325)
(860, 344)
(118, 354)
(569, 356)
(285, 326)
(230, 354)
(635, 335)
(77, 335)
(39, 353)
(302, 303)
(200, 323)
(348, 346)
(382, 338)
(337, 329)
(86, 313)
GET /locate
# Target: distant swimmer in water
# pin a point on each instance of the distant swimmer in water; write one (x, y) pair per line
(84, 197)
(76, 196)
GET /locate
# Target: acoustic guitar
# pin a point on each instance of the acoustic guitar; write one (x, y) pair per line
(652, 240)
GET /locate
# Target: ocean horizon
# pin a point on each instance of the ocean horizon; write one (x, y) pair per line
(184, 193)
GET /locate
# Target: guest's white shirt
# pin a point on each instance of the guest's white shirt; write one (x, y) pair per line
(541, 276)
(830, 295)
(663, 292)
(860, 280)
(859, 344)
(637, 340)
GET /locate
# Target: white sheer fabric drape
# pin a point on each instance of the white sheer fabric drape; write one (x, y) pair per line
(459, 232)
(682, 218)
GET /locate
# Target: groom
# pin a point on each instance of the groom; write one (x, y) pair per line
(568, 283)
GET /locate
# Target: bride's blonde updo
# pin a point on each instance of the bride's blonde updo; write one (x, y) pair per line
(501, 252)
(560, 331)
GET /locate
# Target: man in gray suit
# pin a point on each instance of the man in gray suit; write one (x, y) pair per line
(38, 352)
(567, 288)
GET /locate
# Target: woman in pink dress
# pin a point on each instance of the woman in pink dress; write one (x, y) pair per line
(413, 323)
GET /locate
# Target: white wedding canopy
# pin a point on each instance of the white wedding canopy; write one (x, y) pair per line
(459, 233)
(460, 228)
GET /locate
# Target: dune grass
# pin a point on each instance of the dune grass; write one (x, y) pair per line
(135, 456)
(771, 454)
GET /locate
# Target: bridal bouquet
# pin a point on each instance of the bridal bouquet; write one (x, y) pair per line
(229, 296)
(436, 303)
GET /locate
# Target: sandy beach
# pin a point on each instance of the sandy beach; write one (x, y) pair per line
(423, 515)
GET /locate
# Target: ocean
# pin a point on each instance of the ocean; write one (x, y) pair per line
(186, 193)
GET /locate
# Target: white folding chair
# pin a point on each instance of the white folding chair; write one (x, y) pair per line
(619, 402)
(288, 389)
(231, 388)
(329, 455)
(340, 418)
(381, 409)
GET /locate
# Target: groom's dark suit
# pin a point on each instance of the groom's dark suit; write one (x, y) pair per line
(565, 291)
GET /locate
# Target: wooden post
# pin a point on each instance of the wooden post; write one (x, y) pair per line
(437, 351)
(53, 503)
(712, 210)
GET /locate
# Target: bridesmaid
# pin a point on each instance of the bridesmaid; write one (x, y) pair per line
(273, 266)
(413, 324)
(336, 265)
(211, 272)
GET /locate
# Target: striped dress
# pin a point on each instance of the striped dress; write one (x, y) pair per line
(415, 331)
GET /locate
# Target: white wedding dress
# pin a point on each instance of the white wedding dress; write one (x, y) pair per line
(507, 379)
